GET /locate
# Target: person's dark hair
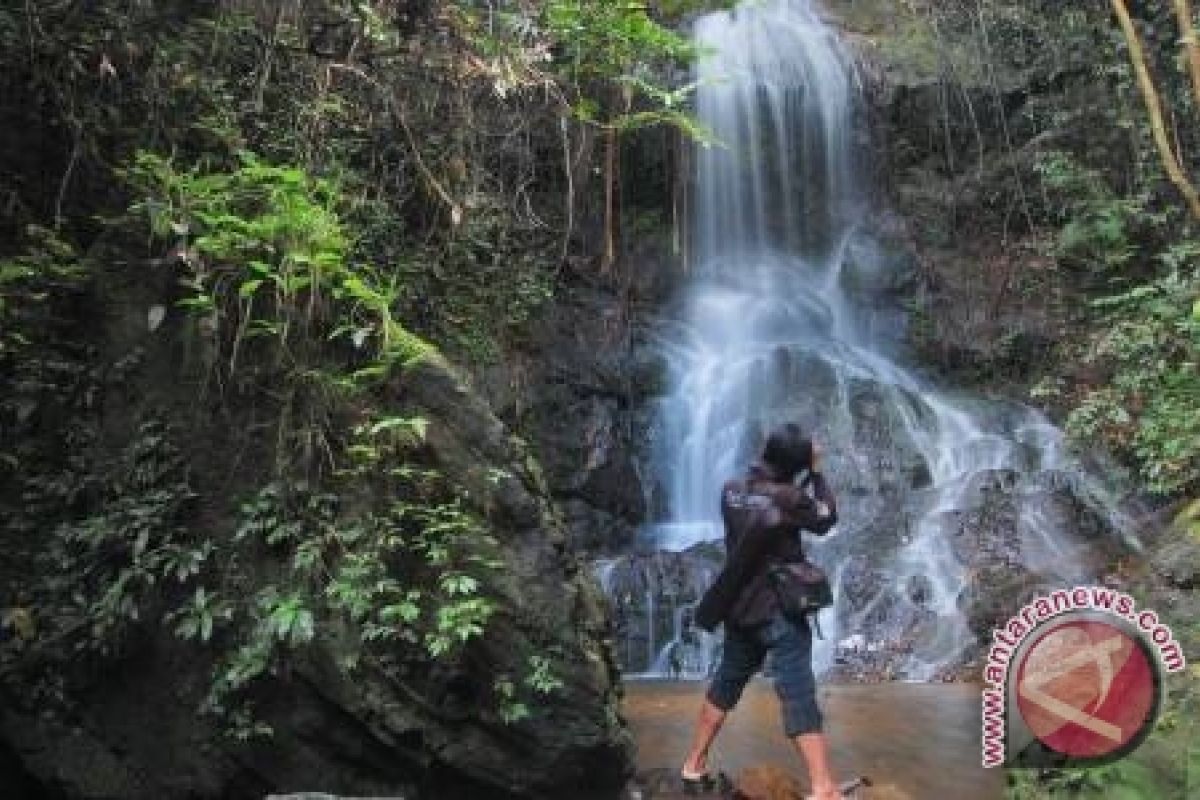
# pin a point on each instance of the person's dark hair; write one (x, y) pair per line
(788, 451)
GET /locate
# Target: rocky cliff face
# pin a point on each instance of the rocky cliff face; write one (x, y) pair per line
(79, 724)
(582, 389)
(965, 100)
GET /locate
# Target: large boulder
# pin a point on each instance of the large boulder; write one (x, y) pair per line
(127, 729)
(653, 596)
(581, 394)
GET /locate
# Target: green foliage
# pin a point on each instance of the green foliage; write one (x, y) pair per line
(285, 619)
(511, 709)
(197, 619)
(1098, 226)
(49, 267)
(302, 217)
(474, 293)
(1125, 780)
(397, 576)
(1189, 519)
(280, 517)
(1150, 344)
(600, 40)
(603, 57)
(539, 679)
(265, 253)
(109, 563)
(387, 565)
(1146, 342)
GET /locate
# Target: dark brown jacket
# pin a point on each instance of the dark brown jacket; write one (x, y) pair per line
(763, 520)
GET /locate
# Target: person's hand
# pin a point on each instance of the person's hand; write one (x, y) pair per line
(815, 466)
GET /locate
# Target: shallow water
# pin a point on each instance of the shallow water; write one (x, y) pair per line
(922, 739)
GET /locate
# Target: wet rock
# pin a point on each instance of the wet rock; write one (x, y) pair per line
(587, 455)
(893, 620)
(799, 384)
(877, 270)
(647, 370)
(919, 475)
(853, 644)
(994, 593)
(768, 782)
(1176, 559)
(873, 663)
(859, 583)
(1064, 503)
(581, 393)
(919, 590)
(596, 532)
(887, 456)
(652, 596)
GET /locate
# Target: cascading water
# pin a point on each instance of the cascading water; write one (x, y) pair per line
(788, 316)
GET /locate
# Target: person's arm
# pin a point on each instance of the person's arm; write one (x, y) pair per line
(789, 498)
(730, 490)
(816, 514)
(824, 514)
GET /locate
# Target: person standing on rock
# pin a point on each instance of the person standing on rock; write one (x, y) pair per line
(764, 514)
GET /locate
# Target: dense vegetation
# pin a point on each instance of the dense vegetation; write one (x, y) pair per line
(305, 198)
(1065, 175)
(1088, 196)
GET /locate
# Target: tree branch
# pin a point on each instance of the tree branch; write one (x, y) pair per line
(1187, 32)
(1154, 108)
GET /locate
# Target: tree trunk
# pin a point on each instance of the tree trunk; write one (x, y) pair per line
(612, 165)
(1150, 96)
(1187, 36)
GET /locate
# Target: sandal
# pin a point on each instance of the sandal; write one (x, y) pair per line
(705, 783)
(846, 790)
(697, 784)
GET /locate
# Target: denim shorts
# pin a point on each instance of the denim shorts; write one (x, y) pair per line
(790, 645)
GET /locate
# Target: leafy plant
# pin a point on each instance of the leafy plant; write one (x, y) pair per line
(1098, 226)
(589, 50)
(541, 677)
(112, 563)
(511, 694)
(49, 266)
(197, 619)
(1151, 344)
(1145, 345)
(399, 580)
(286, 618)
(265, 254)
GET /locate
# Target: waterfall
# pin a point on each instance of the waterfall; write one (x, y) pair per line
(790, 313)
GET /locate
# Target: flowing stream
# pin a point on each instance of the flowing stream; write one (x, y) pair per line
(792, 313)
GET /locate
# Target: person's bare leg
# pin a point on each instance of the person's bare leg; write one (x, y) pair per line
(815, 751)
(707, 725)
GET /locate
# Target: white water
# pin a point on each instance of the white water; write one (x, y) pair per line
(780, 322)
